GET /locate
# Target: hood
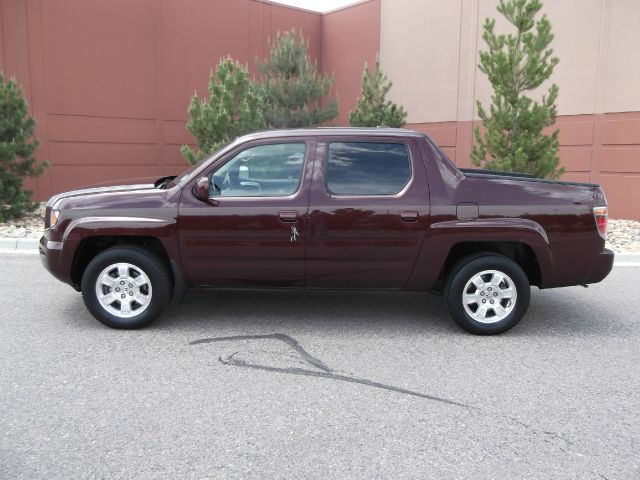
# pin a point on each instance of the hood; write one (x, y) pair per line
(98, 190)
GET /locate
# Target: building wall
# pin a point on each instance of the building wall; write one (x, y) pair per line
(350, 39)
(430, 49)
(109, 82)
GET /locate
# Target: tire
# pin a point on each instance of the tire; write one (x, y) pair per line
(487, 294)
(133, 284)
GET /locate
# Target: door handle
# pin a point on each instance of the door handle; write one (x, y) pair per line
(289, 216)
(408, 216)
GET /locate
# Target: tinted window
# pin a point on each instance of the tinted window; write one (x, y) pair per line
(263, 171)
(367, 168)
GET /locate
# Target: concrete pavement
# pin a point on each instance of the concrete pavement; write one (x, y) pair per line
(317, 385)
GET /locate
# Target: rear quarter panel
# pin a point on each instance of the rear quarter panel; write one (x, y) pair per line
(555, 220)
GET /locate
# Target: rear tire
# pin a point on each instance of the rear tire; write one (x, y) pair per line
(487, 294)
(126, 287)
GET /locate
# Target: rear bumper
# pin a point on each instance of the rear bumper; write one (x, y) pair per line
(600, 267)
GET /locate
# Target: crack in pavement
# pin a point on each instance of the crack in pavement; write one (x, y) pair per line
(230, 360)
(323, 371)
(307, 357)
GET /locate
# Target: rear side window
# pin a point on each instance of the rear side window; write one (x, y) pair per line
(367, 168)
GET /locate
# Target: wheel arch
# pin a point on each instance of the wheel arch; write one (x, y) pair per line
(521, 253)
(91, 246)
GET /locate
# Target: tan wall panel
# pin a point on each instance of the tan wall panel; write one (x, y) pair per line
(444, 134)
(576, 44)
(419, 47)
(576, 158)
(622, 159)
(623, 194)
(621, 131)
(574, 130)
(577, 177)
(622, 63)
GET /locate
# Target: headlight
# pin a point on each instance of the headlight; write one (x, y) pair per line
(53, 217)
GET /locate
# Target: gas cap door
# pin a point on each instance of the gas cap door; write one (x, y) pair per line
(467, 211)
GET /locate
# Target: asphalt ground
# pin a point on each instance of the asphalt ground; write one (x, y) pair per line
(237, 384)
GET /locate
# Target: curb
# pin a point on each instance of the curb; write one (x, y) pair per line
(30, 245)
(22, 245)
(626, 259)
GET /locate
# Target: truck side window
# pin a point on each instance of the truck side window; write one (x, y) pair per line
(367, 168)
(263, 171)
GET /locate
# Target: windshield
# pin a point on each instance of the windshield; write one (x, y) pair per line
(175, 181)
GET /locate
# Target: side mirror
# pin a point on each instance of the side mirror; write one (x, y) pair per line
(201, 189)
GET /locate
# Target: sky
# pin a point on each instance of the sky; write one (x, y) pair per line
(317, 5)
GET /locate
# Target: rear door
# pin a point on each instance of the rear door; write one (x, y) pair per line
(369, 209)
(251, 233)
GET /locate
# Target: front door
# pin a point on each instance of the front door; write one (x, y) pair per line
(252, 232)
(369, 213)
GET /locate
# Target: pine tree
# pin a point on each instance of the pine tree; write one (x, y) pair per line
(17, 150)
(515, 64)
(232, 109)
(373, 109)
(295, 94)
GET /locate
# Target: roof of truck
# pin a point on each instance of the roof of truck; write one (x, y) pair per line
(330, 131)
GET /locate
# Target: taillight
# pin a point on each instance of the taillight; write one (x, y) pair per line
(601, 214)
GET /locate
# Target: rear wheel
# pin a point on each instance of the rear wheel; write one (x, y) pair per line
(126, 287)
(487, 294)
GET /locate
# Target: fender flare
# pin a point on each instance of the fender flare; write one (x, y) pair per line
(164, 230)
(443, 236)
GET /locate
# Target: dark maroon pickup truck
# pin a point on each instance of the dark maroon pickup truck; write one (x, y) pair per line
(335, 208)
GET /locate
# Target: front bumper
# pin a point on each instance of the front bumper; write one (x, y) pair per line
(54, 258)
(600, 267)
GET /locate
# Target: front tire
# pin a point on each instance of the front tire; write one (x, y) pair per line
(487, 294)
(126, 287)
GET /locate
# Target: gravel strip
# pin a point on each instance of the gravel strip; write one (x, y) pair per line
(623, 235)
(30, 225)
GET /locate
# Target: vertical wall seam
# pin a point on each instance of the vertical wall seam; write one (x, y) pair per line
(29, 72)
(459, 65)
(475, 67)
(44, 64)
(599, 58)
(45, 106)
(594, 174)
(159, 87)
(379, 28)
(3, 64)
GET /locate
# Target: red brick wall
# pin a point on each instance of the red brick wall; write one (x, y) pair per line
(109, 82)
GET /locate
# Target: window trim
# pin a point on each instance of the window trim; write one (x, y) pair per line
(234, 153)
(399, 193)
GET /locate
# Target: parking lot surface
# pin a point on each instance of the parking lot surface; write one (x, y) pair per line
(238, 384)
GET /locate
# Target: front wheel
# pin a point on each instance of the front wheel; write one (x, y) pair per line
(487, 294)
(126, 287)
